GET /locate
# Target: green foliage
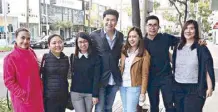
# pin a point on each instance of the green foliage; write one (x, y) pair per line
(168, 30)
(181, 8)
(5, 48)
(169, 17)
(63, 24)
(194, 1)
(156, 5)
(204, 12)
(4, 106)
(128, 10)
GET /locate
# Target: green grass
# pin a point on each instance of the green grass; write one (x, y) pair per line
(4, 106)
(5, 48)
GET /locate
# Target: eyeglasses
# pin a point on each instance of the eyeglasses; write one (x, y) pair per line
(153, 26)
(83, 42)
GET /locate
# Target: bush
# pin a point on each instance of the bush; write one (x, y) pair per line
(4, 106)
(5, 48)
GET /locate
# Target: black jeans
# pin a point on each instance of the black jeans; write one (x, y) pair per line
(187, 98)
(55, 105)
(163, 83)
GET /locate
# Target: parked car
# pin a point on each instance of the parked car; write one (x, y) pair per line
(69, 42)
(39, 43)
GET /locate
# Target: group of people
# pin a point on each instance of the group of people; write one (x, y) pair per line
(102, 65)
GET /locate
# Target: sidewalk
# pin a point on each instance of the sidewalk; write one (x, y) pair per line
(210, 104)
(117, 106)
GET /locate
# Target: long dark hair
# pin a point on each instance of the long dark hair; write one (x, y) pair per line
(196, 37)
(84, 36)
(140, 44)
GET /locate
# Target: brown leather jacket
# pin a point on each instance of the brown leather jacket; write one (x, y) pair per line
(139, 70)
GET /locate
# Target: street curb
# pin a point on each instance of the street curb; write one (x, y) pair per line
(4, 51)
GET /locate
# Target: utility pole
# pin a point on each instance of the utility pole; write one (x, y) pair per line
(135, 13)
(144, 15)
(40, 16)
(27, 14)
(196, 10)
(89, 20)
(5, 19)
(188, 9)
(47, 26)
(121, 7)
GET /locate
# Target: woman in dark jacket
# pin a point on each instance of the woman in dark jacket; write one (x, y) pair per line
(193, 71)
(55, 66)
(85, 68)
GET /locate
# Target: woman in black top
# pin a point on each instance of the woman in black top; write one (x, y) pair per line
(55, 67)
(85, 68)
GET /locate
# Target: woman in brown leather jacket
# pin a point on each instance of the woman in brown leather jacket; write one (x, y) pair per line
(134, 66)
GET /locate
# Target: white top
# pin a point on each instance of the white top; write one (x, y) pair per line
(80, 55)
(127, 68)
(186, 69)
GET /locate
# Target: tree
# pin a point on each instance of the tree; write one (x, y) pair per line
(169, 17)
(181, 14)
(128, 10)
(156, 5)
(62, 25)
(204, 12)
(135, 13)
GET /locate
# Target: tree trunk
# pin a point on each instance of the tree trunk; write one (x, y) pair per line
(135, 13)
(177, 9)
(186, 11)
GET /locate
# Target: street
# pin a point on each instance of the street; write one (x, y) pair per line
(210, 104)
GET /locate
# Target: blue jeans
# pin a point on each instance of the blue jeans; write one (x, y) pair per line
(106, 98)
(130, 98)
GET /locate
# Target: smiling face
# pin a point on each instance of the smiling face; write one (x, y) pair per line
(23, 39)
(152, 27)
(83, 45)
(189, 32)
(110, 22)
(56, 45)
(133, 39)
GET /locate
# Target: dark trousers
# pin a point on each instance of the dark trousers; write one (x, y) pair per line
(106, 98)
(54, 105)
(187, 98)
(163, 83)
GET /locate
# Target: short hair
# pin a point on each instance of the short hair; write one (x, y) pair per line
(152, 17)
(20, 30)
(111, 12)
(52, 36)
(85, 36)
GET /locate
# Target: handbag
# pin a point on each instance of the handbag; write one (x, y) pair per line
(69, 102)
